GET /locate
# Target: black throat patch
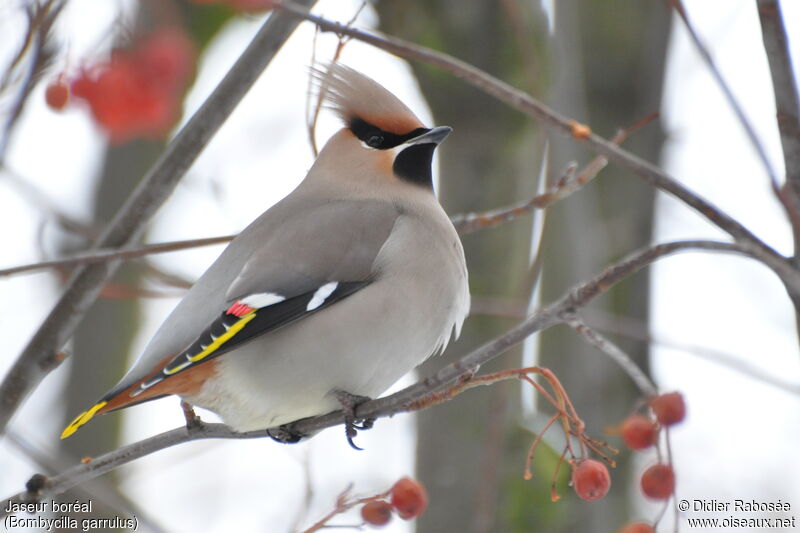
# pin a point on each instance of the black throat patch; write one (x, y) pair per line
(412, 164)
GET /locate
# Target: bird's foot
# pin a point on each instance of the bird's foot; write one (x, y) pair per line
(349, 402)
(285, 434)
(192, 420)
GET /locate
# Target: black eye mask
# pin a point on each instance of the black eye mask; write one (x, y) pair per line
(379, 139)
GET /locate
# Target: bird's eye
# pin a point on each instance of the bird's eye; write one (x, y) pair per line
(375, 141)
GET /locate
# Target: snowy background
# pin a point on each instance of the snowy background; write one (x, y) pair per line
(739, 440)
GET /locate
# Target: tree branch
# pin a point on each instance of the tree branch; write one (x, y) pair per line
(784, 86)
(527, 104)
(752, 136)
(85, 285)
(404, 400)
(103, 255)
(636, 329)
(464, 224)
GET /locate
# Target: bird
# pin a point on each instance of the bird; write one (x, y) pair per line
(331, 295)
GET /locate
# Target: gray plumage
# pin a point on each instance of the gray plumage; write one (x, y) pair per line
(351, 220)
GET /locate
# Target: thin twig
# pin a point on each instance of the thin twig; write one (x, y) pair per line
(636, 329)
(569, 182)
(579, 296)
(343, 505)
(100, 489)
(464, 224)
(40, 199)
(627, 364)
(702, 49)
(311, 121)
(40, 21)
(153, 190)
(100, 256)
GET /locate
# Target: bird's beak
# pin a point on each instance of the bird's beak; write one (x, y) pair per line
(433, 136)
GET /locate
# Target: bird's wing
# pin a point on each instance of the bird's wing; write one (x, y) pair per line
(313, 261)
(310, 262)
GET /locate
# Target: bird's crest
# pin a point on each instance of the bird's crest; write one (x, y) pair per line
(352, 95)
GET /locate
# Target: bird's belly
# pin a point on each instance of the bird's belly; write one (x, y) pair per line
(361, 345)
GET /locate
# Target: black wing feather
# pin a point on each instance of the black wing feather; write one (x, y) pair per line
(265, 320)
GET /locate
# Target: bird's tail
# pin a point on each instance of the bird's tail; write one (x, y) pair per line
(82, 418)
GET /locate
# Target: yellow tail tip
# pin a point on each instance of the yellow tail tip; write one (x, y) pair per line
(81, 419)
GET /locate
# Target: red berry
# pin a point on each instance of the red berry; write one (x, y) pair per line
(409, 498)
(637, 527)
(638, 432)
(668, 408)
(590, 479)
(166, 57)
(377, 512)
(57, 95)
(658, 482)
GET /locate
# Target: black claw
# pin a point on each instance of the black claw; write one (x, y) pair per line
(349, 402)
(367, 423)
(350, 432)
(284, 434)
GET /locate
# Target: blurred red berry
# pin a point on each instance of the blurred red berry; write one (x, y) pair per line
(638, 432)
(138, 92)
(409, 498)
(637, 527)
(377, 512)
(590, 479)
(658, 482)
(57, 95)
(668, 408)
(82, 86)
(167, 57)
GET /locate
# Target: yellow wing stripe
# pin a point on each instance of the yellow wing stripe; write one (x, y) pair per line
(237, 326)
(81, 419)
(219, 341)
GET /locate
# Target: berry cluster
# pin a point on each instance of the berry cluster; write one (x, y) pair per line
(640, 432)
(137, 93)
(407, 498)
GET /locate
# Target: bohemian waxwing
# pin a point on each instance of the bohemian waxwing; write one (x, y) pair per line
(341, 288)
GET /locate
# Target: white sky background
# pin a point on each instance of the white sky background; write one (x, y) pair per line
(740, 437)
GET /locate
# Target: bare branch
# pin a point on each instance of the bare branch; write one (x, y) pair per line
(596, 339)
(726, 90)
(569, 182)
(152, 192)
(102, 490)
(404, 400)
(633, 328)
(464, 224)
(41, 17)
(100, 256)
(776, 45)
(527, 104)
